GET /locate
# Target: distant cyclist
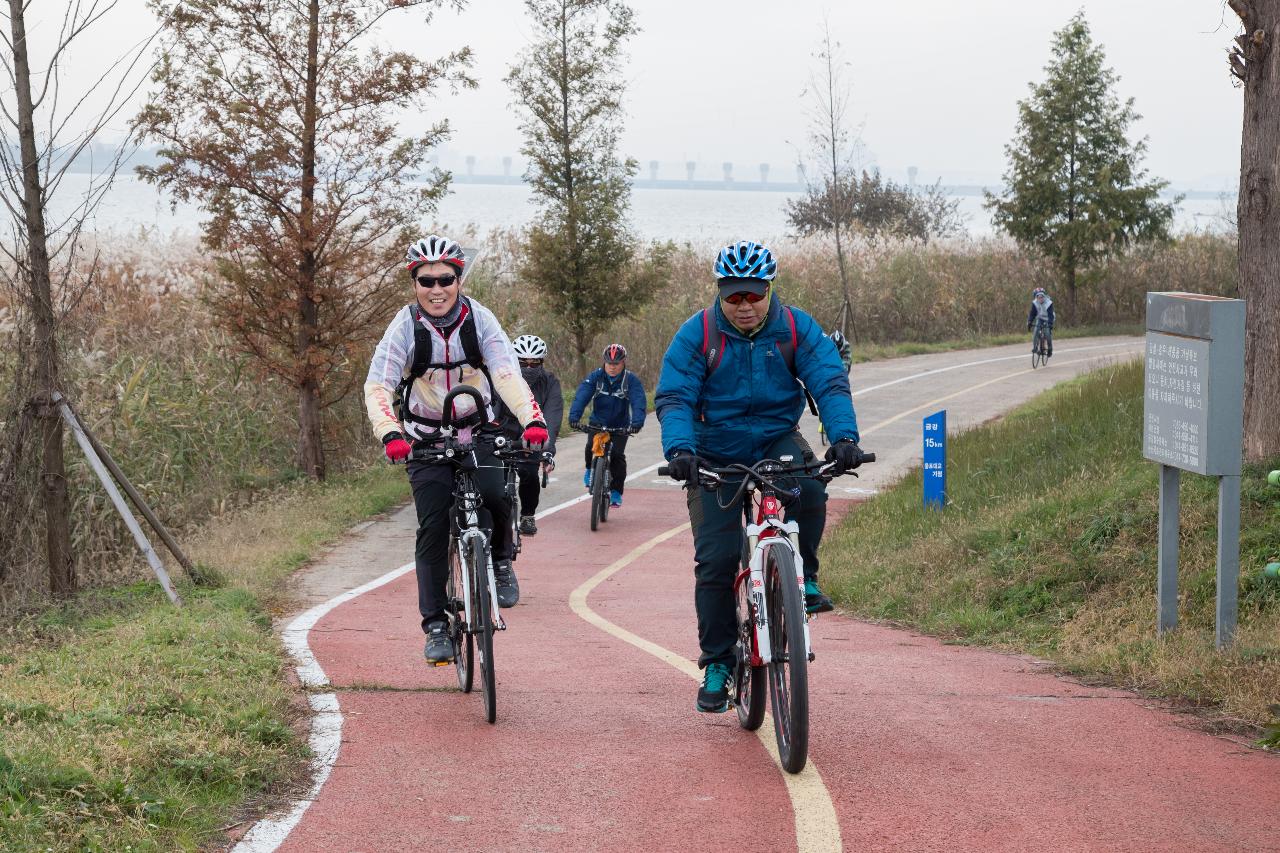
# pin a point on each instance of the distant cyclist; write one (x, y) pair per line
(440, 340)
(617, 401)
(1041, 312)
(842, 347)
(532, 351)
(731, 392)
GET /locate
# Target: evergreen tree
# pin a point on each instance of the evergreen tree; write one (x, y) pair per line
(568, 85)
(1076, 190)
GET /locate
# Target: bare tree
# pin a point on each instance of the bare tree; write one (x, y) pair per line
(834, 148)
(277, 120)
(1255, 61)
(45, 130)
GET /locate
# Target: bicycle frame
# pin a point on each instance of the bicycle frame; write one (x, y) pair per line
(768, 531)
(469, 538)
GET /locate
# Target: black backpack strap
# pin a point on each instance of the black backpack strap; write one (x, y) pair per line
(711, 355)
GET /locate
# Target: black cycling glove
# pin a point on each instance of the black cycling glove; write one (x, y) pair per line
(846, 454)
(683, 466)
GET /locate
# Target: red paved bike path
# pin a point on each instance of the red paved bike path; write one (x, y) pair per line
(921, 745)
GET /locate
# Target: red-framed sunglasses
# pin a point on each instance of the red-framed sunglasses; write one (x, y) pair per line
(753, 298)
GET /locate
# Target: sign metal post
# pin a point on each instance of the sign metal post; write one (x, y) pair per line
(1193, 420)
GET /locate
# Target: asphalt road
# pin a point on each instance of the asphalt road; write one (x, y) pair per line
(916, 745)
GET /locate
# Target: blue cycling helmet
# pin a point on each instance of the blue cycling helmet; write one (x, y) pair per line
(746, 259)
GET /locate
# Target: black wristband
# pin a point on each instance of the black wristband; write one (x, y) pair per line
(390, 437)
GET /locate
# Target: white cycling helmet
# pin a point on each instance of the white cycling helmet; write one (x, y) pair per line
(431, 249)
(529, 346)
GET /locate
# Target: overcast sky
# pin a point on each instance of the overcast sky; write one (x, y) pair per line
(935, 82)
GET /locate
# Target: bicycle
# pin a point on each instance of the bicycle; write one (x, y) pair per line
(510, 464)
(471, 599)
(768, 594)
(1040, 344)
(601, 457)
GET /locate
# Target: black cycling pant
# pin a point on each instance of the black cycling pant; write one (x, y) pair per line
(530, 478)
(617, 459)
(432, 485)
(717, 549)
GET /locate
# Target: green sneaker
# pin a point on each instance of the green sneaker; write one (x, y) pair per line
(713, 696)
(814, 600)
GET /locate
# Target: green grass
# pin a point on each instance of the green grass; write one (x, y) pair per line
(128, 724)
(1048, 546)
(878, 352)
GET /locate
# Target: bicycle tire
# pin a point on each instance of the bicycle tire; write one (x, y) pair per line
(606, 491)
(597, 490)
(484, 635)
(789, 666)
(750, 689)
(463, 644)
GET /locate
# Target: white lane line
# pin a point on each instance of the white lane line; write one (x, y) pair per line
(817, 827)
(585, 497)
(938, 370)
(326, 721)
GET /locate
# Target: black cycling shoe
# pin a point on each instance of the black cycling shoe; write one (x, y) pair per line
(713, 696)
(439, 650)
(508, 589)
(814, 599)
(528, 527)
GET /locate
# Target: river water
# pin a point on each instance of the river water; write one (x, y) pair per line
(700, 217)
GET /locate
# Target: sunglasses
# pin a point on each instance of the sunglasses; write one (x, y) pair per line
(530, 362)
(446, 280)
(753, 298)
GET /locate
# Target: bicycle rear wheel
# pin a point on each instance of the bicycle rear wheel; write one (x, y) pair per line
(789, 666)
(463, 645)
(599, 495)
(483, 610)
(749, 691)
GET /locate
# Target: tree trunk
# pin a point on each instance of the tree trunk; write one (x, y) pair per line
(848, 327)
(53, 467)
(310, 426)
(1071, 285)
(1258, 221)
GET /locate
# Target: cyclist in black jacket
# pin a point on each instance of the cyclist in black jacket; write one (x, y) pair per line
(532, 351)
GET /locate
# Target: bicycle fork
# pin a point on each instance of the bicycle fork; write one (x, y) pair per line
(783, 536)
(472, 539)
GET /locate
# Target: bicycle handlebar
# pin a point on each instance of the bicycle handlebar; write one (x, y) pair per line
(818, 469)
(588, 428)
(446, 415)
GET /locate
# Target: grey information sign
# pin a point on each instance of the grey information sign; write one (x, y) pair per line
(1176, 409)
(1193, 413)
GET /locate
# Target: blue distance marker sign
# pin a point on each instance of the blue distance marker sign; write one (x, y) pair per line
(935, 460)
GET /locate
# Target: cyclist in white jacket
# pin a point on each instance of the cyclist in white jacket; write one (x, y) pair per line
(441, 340)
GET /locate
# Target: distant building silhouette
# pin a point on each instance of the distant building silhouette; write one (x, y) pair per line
(800, 177)
(764, 173)
(912, 171)
(690, 168)
(471, 165)
(653, 170)
(728, 172)
(506, 167)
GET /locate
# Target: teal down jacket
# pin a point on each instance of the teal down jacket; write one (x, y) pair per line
(735, 412)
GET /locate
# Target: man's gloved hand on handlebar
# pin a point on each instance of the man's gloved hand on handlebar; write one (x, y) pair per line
(535, 435)
(683, 466)
(396, 448)
(846, 454)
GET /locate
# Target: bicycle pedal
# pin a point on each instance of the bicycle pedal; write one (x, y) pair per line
(440, 662)
(502, 624)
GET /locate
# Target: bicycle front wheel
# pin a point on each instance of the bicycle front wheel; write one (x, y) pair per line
(599, 494)
(483, 611)
(463, 645)
(789, 663)
(749, 691)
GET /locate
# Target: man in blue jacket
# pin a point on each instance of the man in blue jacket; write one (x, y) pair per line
(617, 401)
(730, 392)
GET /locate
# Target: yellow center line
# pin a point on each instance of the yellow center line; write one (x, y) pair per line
(817, 829)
